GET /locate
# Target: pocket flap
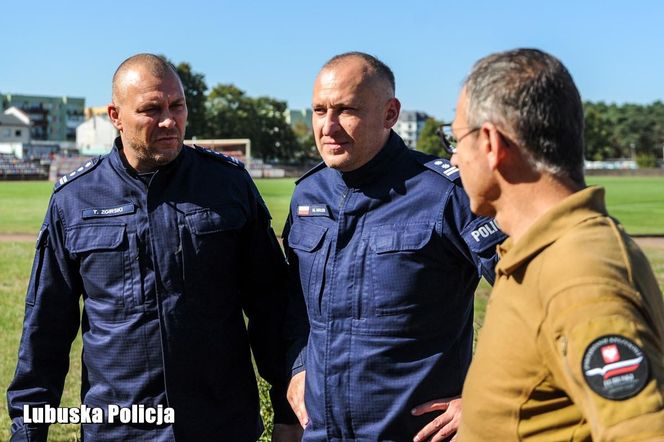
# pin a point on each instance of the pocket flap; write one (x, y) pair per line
(306, 237)
(398, 238)
(84, 238)
(212, 220)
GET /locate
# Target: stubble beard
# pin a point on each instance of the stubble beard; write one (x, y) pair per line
(151, 158)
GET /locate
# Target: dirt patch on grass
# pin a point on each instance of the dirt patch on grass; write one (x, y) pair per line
(18, 237)
(655, 242)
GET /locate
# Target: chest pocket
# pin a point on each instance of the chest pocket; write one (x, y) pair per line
(405, 273)
(108, 264)
(222, 219)
(211, 245)
(308, 242)
(215, 232)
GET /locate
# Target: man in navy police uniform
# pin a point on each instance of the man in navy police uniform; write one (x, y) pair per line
(385, 249)
(168, 245)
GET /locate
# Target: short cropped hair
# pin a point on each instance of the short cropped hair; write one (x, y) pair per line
(532, 95)
(156, 65)
(380, 69)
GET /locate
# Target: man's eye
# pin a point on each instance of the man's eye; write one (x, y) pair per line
(320, 110)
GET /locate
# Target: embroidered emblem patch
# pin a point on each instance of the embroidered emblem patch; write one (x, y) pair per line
(615, 367)
(313, 210)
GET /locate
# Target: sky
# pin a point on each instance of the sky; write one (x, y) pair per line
(614, 49)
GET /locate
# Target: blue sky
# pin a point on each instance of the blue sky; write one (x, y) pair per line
(614, 49)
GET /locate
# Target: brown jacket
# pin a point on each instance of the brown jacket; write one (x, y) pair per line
(572, 347)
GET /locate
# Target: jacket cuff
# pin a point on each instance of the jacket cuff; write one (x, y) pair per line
(25, 433)
(297, 356)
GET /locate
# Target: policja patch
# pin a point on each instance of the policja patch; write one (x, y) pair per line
(615, 368)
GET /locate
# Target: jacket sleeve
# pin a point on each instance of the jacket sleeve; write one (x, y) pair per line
(49, 327)
(607, 355)
(474, 236)
(297, 322)
(264, 303)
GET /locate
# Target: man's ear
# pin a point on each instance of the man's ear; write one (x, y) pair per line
(494, 144)
(392, 112)
(114, 115)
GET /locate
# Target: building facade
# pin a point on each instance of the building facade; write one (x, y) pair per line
(95, 136)
(14, 126)
(296, 117)
(97, 111)
(53, 118)
(409, 126)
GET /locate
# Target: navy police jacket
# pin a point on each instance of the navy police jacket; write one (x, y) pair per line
(387, 257)
(166, 267)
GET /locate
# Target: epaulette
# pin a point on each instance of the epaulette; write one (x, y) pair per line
(220, 156)
(316, 168)
(71, 176)
(442, 167)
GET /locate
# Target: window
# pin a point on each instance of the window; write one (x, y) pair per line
(17, 133)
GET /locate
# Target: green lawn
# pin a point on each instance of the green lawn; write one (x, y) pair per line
(277, 194)
(23, 205)
(637, 202)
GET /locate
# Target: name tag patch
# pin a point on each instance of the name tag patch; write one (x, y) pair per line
(103, 212)
(313, 210)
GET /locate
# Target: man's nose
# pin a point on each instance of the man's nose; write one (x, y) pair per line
(454, 161)
(331, 124)
(167, 121)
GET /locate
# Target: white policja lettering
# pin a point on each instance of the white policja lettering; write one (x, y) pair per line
(140, 414)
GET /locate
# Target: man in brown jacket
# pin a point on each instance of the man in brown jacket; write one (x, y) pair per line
(572, 344)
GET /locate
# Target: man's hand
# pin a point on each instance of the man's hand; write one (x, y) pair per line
(444, 425)
(295, 395)
(286, 433)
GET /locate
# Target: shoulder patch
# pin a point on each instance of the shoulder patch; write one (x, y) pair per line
(316, 168)
(442, 167)
(71, 176)
(220, 156)
(482, 234)
(615, 367)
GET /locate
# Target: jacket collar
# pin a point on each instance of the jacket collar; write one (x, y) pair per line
(573, 210)
(378, 166)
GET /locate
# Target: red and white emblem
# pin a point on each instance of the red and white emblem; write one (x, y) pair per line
(610, 353)
(303, 210)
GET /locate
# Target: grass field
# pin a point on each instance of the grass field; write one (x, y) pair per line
(638, 202)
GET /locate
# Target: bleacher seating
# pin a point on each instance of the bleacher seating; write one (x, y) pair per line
(61, 165)
(12, 168)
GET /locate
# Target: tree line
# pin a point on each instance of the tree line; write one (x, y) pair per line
(228, 112)
(612, 131)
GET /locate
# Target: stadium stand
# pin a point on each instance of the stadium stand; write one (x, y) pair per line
(12, 168)
(61, 165)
